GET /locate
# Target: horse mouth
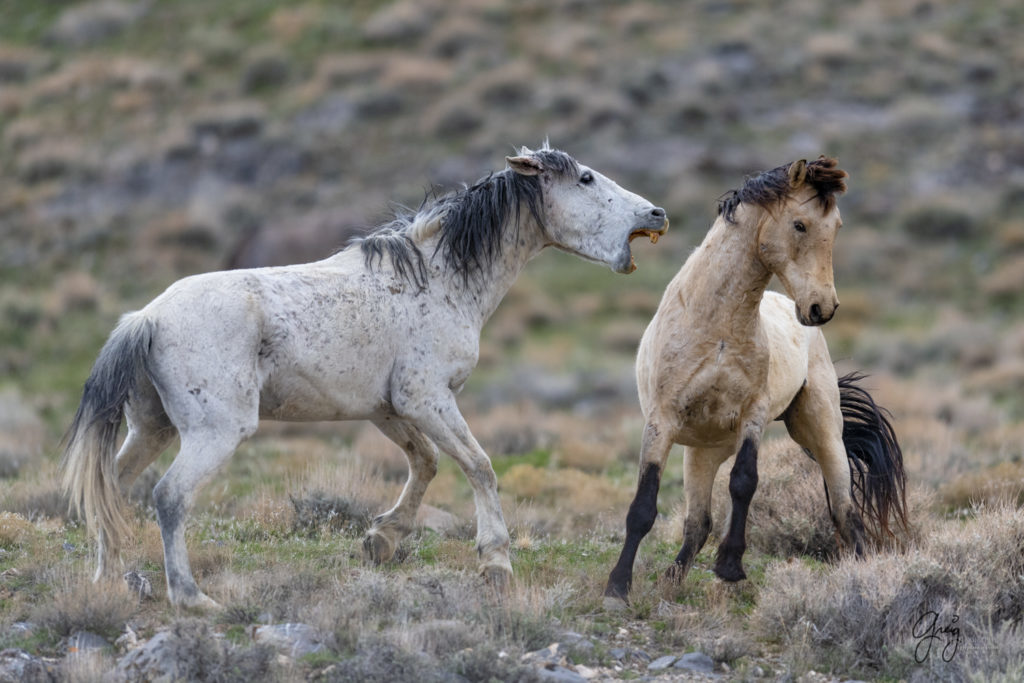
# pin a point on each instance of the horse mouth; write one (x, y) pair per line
(652, 233)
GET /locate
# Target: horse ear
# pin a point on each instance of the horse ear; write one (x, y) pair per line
(525, 165)
(797, 173)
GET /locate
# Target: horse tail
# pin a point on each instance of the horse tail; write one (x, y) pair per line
(90, 477)
(876, 460)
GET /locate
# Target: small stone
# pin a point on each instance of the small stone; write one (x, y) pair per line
(138, 584)
(661, 663)
(696, 661)
(618, 652)
(294, 640)
(758, 672)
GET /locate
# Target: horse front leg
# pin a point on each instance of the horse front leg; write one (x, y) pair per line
(742, 485)
(440, 420)
(643, 510)
(390, 528)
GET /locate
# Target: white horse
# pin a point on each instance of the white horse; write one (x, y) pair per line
(387, 330)
(722, 357)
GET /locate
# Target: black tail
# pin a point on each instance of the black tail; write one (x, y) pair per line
(876, 461)
(89, 466)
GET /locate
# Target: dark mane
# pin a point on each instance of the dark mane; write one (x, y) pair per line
(472, 222)
(772, 187)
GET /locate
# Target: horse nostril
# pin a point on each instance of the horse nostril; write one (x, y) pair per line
(658, 212)
(815, 312)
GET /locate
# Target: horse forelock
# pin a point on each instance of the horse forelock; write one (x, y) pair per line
(770, 188)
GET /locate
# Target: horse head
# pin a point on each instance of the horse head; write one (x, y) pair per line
(587, 213)
(796, 236)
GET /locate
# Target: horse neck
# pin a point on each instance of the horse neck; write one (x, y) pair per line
(483, 292)
(724, 281)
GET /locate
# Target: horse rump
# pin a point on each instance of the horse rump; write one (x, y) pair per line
(876, 460)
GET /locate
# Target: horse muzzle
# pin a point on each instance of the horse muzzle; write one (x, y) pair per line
(816, 315)
(654, 226)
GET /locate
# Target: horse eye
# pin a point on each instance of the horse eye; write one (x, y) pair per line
(587, 178)
(799, 226)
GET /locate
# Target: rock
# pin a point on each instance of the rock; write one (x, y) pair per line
(560, 673)
(18, 666)
(696, 661)
(436, 519)
(139, 585)
(22, 628)
(661, 663)
(155, 660)
(84, 642)
(618, 653)
(294, 640)
(547, 655)
(127, 641)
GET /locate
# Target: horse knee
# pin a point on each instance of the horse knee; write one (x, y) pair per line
(743, 478)
(644, 508)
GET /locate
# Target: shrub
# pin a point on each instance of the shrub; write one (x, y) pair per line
(317, 512)
(78, 604)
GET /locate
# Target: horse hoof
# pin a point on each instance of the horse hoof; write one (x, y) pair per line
(730, 572)
(613, 603)
(377, 547)
(199, 601)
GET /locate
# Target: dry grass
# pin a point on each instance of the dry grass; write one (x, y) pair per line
(862, 615)
(78, 604)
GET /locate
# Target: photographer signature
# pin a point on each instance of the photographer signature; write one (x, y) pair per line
(928, 631)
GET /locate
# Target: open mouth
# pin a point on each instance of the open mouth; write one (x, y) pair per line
(652, 233)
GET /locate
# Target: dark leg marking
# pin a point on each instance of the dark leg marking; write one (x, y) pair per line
(642, 513)
(742, 484)
(695, 534)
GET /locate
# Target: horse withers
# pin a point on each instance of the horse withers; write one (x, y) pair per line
(722, 357)
(387, 330)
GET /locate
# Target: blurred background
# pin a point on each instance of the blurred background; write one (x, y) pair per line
(144, 141)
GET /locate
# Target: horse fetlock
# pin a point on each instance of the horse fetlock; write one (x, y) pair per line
(677, 571)
(498, 576)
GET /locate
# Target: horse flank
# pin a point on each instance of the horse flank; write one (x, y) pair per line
(470, 223)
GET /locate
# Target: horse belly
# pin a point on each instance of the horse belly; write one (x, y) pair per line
(345, 393)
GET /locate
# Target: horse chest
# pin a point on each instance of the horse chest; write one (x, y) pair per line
(717, 394)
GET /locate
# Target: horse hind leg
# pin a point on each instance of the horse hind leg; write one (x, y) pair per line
(699, 468)
(149, 433)
(814, 420)
(390, 528)
(202, 453)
